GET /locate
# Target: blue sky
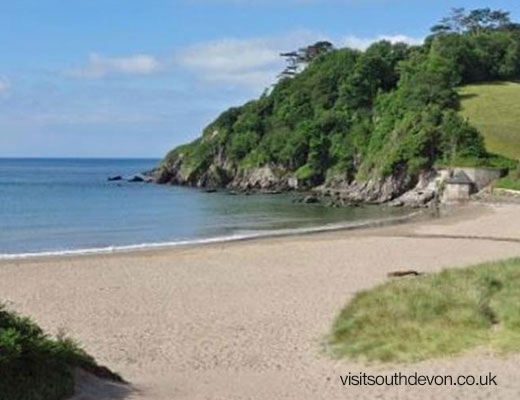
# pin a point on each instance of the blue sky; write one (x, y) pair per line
(128, 78)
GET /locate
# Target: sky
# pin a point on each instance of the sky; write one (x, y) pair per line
(134, 78)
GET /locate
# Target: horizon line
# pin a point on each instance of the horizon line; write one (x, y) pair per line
(79, 157)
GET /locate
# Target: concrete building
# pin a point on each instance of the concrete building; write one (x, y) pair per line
(458, 188)
(482, 177)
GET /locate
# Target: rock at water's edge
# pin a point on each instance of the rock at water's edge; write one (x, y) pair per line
(311, 199)
(140, 178)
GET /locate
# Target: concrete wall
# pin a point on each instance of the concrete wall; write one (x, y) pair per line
(456, 192)
(481, 177)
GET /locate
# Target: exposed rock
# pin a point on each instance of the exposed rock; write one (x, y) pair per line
(400, 189)
(140, 178)
(176, 172)
(311, 199)
(371, 191)
(338, 201)
(272, 179)
(215, 176)
(414, 198)
(115, 178)
(262, 178)
(426, 191)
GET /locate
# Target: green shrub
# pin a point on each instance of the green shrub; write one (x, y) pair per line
(34, 366)
(305, 173)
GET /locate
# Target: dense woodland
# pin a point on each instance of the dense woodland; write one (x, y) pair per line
(367, 114)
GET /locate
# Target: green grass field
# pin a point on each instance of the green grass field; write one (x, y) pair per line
(494, 108)
(412, 319)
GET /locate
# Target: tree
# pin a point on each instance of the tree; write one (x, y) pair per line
(313, 51)
(474, 22)
(297, 60)
(318, 156)
(451, 24)
(294, 60)
(485, 18)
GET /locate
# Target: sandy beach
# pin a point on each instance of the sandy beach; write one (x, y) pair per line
(247, 320)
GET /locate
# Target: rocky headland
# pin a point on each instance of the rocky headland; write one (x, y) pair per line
(379, 126)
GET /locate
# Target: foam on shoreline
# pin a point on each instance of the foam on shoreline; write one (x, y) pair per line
(213, 240)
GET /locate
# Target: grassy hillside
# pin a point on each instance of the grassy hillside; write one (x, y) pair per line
(494, 108)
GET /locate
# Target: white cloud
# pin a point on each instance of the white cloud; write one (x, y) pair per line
(99, 66)
(253, 62)
(4, 84)
(361, 43)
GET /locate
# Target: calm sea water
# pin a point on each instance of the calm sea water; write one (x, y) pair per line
(59, 205)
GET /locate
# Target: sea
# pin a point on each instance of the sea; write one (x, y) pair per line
(67, 206)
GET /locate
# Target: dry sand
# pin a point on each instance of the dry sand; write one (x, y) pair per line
(247, 320)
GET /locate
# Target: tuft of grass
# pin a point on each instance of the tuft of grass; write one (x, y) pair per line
(508, 182)
(436, 315)
(511, 181)
(35, 366)
(494, 109)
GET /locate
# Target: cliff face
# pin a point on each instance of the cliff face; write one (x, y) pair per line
(223, 174)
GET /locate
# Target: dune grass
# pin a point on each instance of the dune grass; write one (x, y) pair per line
(494, 108)
(35, 366)
(446, 313)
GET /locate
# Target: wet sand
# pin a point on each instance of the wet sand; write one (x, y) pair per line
(247, 320)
